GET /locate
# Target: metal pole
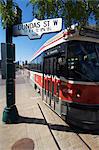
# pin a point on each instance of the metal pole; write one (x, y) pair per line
(10, 113)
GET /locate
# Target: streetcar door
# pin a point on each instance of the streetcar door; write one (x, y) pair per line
(44, 91)
(57, 87)
(47, 80)
(51, 86)
(53, 76)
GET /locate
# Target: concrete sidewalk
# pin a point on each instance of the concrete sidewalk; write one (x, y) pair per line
(31, 122)
(37, 122)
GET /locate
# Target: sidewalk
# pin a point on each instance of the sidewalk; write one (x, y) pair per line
(37, 124)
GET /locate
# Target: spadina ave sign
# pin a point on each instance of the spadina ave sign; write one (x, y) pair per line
(36, 28)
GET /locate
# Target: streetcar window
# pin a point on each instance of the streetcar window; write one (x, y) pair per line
(40, 63)
(49, 66)
(45, 66)
(83, 61)
(34, 64)
(54, 65)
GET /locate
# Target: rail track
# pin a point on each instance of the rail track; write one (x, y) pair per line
(67, 137)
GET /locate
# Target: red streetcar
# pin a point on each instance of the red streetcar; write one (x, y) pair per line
(65, 70)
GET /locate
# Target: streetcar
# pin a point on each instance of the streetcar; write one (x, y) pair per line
(65, 70)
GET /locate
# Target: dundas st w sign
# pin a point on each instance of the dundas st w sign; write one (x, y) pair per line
(36, 28)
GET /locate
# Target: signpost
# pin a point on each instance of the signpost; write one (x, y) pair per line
(10, 113)
(37, 28)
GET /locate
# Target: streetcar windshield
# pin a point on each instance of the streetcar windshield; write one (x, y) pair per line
(83, 61)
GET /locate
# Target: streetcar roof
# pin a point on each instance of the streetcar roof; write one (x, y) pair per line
(61, 37)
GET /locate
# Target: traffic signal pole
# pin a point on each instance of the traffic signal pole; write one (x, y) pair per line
(10, 113)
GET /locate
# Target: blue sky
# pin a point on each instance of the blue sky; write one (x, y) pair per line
(24, 46)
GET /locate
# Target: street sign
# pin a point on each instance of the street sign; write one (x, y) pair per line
(36, 28)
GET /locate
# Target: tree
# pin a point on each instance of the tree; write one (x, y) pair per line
(72, 11)
(8, 13)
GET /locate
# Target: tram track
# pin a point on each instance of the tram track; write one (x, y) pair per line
(52, 128)
(84, 141)
(92, 140)
(49, 128)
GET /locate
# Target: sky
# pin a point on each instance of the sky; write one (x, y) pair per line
(24, 47)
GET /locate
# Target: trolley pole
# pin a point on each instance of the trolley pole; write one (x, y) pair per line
(10, 113)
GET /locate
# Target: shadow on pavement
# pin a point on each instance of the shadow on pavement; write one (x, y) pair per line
(30, 120)
(72, 129)
(64, 128)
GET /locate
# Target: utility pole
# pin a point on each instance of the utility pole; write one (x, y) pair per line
(10, 113)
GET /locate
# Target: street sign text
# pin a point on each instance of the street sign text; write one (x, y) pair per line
(36, 28)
